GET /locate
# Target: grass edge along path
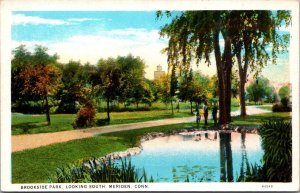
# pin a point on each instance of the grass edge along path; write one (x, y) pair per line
(22, 142)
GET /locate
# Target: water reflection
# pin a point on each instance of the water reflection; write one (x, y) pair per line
(226, 170)
(202, 156)
(245, 163)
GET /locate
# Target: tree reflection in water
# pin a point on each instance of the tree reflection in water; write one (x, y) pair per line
(226, 169)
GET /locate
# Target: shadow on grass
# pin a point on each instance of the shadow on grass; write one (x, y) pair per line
(258, 119)
(26, 127)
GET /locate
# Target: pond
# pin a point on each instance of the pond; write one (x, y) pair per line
(202, 156)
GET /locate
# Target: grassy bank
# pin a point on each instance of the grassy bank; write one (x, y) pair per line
(36, 165)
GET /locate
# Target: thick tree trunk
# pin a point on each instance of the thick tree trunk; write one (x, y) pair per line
(224, 66)
(242, 98)
(47, 110)
(108, 110)
(137, 106)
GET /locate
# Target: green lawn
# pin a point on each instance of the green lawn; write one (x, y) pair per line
(63, 122)
(265, 107)
(257, 119)
(36, 165)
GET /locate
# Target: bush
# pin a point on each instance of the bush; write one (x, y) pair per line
(281, 107)
(30, 107)
(101, 122)
(85, 116)
(93, 171)
(276, 138)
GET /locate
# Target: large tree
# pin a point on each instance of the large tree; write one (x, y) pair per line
(133, 87)
(41, 77)
(72, 90)
(21, 59)
(110, 76)
(257, 31)
(198, 34)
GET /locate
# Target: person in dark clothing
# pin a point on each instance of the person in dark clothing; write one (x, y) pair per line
(214, 114)
(205, 114)
(198, 118)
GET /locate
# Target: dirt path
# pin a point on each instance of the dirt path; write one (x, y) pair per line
(30, 141)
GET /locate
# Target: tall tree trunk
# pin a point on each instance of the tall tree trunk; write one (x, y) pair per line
(178, 107)
(137, 106)
(107, 109)
(243, 76)
(191, 103)
(224, 67)
(242, 98)
(172, 106)
(47, 110)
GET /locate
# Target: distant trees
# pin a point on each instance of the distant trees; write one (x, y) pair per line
(260, 89)
(283, 106)
(284, 92)
(37, 76)
(123, 79)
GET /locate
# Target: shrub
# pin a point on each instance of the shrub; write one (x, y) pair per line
(101, 122)
(276, 138)
(95, 171)
(279, 107)
(85, 116)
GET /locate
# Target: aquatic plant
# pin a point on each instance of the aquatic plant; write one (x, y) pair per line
(276, 138)
(95, 171)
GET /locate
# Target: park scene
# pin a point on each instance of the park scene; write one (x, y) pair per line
(151, 96)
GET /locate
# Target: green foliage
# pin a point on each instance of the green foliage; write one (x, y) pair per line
(94, 171)
(35, 77)
(72, 91)
(284, 92)
(259, 90)
(85, 116)
(276, 138)
(196, 87)
(253, 173)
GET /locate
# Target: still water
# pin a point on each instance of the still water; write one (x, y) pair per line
(202, 156)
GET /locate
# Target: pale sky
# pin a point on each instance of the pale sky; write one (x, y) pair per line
(89, 36)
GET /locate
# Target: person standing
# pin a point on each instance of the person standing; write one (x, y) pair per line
(205, 109)
(198, 118)
(214, 114)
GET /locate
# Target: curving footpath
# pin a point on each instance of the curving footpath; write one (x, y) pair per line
(31, 141)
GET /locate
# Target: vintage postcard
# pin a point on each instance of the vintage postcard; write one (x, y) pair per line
(194, 95)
